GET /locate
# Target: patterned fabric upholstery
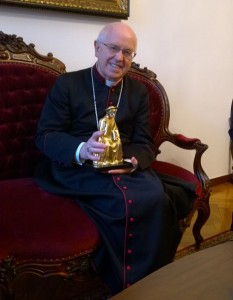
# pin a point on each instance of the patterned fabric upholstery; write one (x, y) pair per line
(23, 90)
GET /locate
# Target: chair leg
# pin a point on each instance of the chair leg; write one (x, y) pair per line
(203, 214)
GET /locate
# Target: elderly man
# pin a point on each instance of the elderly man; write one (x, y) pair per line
(133, 209)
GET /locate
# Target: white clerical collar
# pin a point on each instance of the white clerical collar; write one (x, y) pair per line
(110, 83)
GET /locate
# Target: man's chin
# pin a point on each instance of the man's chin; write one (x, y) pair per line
(115, 73)
(115, 76)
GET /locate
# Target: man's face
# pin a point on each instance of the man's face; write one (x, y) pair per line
(114, 65)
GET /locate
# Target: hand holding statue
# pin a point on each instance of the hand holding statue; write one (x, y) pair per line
(104, 147)
(112, 155)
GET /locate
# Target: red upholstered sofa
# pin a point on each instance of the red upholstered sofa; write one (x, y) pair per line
(47, 236)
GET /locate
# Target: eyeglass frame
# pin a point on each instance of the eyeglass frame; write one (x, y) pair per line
(127, 53)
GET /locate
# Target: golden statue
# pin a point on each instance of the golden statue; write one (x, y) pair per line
(112, 155)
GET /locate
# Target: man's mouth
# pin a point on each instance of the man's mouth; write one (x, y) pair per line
(115, 66)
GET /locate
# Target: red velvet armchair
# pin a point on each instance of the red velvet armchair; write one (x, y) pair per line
(160, 116)
(44, 235)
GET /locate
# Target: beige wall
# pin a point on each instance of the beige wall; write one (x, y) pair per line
(188, 43)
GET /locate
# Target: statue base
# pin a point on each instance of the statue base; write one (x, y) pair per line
(122, 165)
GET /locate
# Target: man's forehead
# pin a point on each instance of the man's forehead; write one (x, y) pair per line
(126, 42)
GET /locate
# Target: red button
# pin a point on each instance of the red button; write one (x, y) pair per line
(130, 251)
(125, 187)
(130, 235)
(128, 268)
(128, 285)
(130, 201)
(118, 179)
(131, 219)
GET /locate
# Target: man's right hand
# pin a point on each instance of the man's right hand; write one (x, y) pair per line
(92, 147)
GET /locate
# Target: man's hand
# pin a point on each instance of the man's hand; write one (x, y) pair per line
(134, 162)
(92, 147)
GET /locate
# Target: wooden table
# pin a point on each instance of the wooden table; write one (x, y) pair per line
(204, 275)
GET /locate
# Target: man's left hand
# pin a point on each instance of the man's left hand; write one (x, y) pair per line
(133, 161)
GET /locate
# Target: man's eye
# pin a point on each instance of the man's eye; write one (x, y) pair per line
(127, 52)
(114, 48)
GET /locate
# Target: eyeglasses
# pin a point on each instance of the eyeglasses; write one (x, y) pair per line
(114, 49)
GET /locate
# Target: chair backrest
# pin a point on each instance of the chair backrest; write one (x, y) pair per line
(25, 79)
(159, 108)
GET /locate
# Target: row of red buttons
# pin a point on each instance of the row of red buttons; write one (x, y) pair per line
(130, 235)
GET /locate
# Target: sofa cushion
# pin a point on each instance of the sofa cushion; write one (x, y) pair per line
(42, 226)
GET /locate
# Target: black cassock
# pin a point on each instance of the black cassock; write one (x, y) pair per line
(137, 214)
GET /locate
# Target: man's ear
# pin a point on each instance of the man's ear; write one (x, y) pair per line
(96, 45)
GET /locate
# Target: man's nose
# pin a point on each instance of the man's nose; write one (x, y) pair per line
(119, 55)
